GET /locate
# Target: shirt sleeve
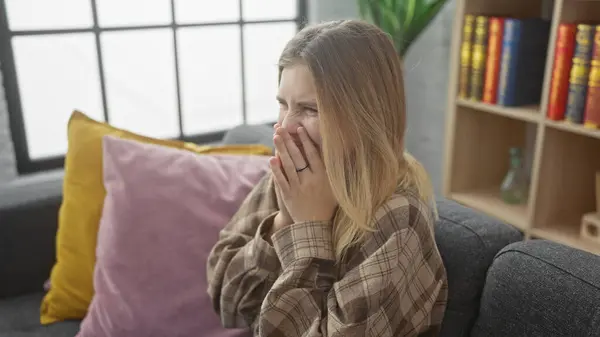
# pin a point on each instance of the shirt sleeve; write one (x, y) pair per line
(242, 266)
(397, 288)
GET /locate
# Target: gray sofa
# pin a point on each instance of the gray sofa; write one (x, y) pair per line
(498, 284)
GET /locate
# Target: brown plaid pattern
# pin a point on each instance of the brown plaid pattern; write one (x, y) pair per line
(394, 284)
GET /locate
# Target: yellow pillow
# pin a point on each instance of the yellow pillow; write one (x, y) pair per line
(71, 278)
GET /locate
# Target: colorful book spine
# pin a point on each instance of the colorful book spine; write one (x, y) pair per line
(478, 59)
(492, 67)
(580, 71)
(592, 105)
(465, 56)
(512, 29)
(524, 50)
(563, 60)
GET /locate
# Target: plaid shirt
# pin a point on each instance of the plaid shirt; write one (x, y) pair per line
(393, 284)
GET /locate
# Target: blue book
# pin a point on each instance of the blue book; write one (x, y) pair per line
(523, 61)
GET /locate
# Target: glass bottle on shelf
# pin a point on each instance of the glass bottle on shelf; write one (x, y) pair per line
(515, 186)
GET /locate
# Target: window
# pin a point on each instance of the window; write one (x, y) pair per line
(184, 69)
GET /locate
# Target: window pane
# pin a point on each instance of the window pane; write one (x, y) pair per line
(140, 81)
(263, 44)
(194, 11)
(211, 82)
(133, 12)
(45, 14)
(56, 74)
(269, 9)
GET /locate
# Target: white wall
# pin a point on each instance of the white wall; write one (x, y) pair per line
(324, 10)
(426, 80)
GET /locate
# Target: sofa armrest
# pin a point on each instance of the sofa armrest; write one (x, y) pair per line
(467, 240)
(541, 288)
(28, 222)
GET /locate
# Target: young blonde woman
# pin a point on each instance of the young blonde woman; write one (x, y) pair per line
(338, 239)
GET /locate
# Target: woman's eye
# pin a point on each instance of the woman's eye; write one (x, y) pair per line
(311, 110)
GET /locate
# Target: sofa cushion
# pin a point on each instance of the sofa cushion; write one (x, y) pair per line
(163, 212)
(540, 288)
(467, 241)
(19, 317)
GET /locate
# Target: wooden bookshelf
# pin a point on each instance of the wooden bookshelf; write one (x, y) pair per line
(563, 157)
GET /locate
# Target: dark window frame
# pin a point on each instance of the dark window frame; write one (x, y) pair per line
(25, 165)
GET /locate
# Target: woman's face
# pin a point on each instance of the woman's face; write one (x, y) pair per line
(298, 103)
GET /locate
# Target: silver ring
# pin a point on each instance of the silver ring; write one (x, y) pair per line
(302, 169)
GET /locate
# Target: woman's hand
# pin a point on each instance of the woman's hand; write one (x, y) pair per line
(302, 179)
(283, 218)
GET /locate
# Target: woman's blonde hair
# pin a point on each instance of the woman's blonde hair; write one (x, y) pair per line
(360, 96)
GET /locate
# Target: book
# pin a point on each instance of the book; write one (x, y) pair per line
(563, 60)
(579, 75)
(592, 105)
(465, 56)
(478, 58)
(524, 48)
(492, 67)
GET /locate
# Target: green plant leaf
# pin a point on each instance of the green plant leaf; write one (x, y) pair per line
(375, 9)
(400, 13)
(389, 3)
(410, 12)
(363, 9)
(391, 21)
(403, 20)
(422, 21)
(369, 10)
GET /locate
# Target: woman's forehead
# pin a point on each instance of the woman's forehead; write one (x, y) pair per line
(297, 81)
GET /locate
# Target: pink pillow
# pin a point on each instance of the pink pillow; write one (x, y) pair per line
(162, 214)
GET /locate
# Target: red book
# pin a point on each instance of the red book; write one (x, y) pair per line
(490, 87)
(592, 105)
(563, 60)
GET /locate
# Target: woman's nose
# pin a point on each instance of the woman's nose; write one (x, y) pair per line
(290, 125)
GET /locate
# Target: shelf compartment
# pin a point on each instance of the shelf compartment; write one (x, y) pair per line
(574, 128)
(529, 113)
(489, 202)
(480, 161)
(569, 162)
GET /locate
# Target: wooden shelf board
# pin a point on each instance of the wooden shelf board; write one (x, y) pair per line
(488, 201)
(525, 113)
(574, 128)
(566, 235)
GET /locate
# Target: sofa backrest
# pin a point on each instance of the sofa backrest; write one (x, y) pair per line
(28, 223)
(467, 240)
